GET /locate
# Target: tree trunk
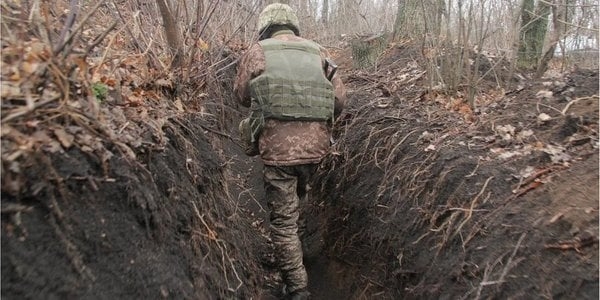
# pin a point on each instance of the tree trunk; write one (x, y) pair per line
(534, 23)
(400, 19)
(325, 12)
(366, 50)
(267, 2)
(415, 18)
(438, 10)
(559, 29)
(172, 32)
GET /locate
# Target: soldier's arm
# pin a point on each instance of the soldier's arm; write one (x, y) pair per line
(340, 95)
(338, 87)
(250, 66)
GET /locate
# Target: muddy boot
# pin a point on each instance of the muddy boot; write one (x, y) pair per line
(301, 294)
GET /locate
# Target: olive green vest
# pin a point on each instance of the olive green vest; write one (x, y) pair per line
(293, 86)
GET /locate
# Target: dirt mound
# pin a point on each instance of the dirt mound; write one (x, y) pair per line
(119, 229)
(422, 201)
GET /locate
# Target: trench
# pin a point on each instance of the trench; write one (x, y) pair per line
(380, 224)
(328, 278)
(84, 213)
(334, 271)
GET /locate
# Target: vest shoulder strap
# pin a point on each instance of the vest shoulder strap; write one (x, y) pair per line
(275, 45)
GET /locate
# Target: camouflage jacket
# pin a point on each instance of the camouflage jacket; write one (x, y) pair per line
(287, 143)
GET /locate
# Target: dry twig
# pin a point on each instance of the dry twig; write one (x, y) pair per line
(75, 31)
(509, 265)
(575, 244)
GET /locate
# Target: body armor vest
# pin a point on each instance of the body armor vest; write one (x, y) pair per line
(293, 86)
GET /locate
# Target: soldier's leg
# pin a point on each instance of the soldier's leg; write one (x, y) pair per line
(304, 174)
(280, 191)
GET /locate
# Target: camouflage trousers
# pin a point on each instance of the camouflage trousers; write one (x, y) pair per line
(284, 188)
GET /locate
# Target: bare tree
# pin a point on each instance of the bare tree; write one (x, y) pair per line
(534, 23)
(559, 25)
(415, 18)
(409, 20)
(325, 12)
(173, 33)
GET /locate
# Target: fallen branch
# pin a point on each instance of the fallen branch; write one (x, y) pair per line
(10, 208)
(564, 111)
(575, 244)
(100, 38)
(28, 109)
(73, 11)
(531, 182)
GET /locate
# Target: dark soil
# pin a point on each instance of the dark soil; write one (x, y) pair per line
(425, 202)
(163, 226)
(419, 198)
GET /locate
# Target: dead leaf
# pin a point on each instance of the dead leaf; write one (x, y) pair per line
(430, 148)
(557, 153)
(126, 150)
(108, 81)
(29, 67)
(544, 94)
(524, 135)
(508, 154)
(382, 105)
(74, 103)
(528, 171)
(179, 105)
(5, 130)
(427, 136)
(52, 147)
(143, 113)
(163, 82)
(538, 145)
(544, 117)
(32, 123)
(133, 100)
(504, 130)
(84, 139)
(41, 137)
(14, 166)
(64, 138)
(202, 45)
(9, 89)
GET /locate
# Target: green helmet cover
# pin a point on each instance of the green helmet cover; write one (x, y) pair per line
(278, 14)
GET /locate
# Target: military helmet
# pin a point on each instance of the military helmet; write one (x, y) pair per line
(278, 14)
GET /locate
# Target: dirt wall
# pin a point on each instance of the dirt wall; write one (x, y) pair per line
(421, 202)
(161, 226)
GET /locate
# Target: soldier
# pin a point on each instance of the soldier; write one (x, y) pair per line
(290, 85)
